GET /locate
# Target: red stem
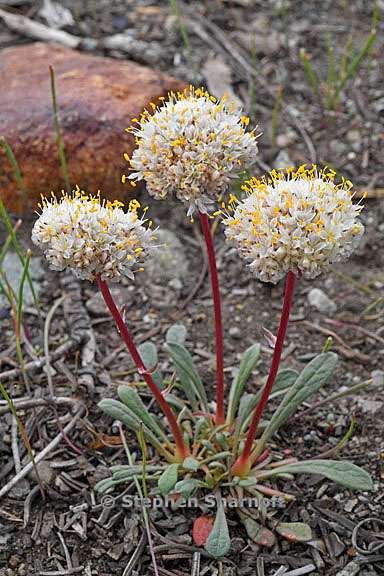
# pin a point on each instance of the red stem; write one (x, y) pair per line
(220, 418)
(243, 464)
(181, 449)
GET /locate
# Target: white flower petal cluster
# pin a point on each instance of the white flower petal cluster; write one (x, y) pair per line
(192, 146)
(92, 236)
(299, 221)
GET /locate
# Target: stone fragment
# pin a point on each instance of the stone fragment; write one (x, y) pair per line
(169, 261)
(96, 305)
(234, 332)
(97, 99)
(319, 300)
(13, 270)
(369, 406)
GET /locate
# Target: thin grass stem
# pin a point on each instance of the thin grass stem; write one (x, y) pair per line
(16, 171)
(143, 509)
(59, 138)
(11, 231)
(23, 434)
(184, 34)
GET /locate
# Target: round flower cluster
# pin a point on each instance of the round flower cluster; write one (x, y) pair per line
(92, 237)
(299, 221)
(193, 145)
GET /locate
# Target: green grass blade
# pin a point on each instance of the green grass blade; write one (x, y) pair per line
(331, 71)
(143, 509)
(59, 138)
(21, 290)
(143, 448)
(375, 16)
(309, 71)
(184, 33)
(4, 292)
(7, 243)
(346, 58)
(4, 216)
(16, 316)
(16, 170)
(284, 10)
(354, 65)
(19, 319)
(331, 74)
(3, 253)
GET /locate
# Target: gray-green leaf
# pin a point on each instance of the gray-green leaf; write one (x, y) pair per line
(310, 380)
(248, 402)
(188, 375)
(187, 486)
(344, 473)
(168, 479)
(176, 334)
(191, 464)
(218, 542)
(247, 364)
(148, 354)
(132, 400)
(120, 411)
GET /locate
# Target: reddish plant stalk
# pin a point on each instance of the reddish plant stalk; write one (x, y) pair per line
(220, 418)
(181, 449)
(243, 464)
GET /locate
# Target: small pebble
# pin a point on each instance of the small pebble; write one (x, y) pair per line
(14, 561)
(350, 504)
(378, 378)
(234, 332)
(319, 300)
(176, 284)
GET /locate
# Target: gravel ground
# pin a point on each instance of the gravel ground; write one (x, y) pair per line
(250, 49)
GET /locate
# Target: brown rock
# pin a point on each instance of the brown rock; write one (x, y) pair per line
(97, 98)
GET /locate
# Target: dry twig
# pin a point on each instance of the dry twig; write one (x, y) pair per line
(35, 365)
(55, 442)
(37, 31)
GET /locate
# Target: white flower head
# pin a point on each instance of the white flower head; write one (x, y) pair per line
(192, 146)
(299, 221)
(93, 236)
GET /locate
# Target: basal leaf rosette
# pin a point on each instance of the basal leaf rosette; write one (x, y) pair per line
(298, 221)
(193, 146)
(92, 236)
